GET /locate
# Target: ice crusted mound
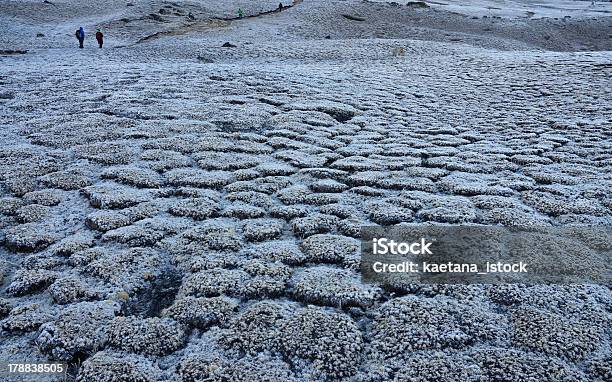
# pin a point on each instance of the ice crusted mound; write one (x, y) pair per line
(331, 341)
(156, 336)
(80, 329)
(333, 287)
(409, 324)
(115, 366)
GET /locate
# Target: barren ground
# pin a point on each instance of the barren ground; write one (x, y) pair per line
(167, 207)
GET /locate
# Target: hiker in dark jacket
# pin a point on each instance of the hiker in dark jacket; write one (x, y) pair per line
(80, 35)
(100, 37)
(280, 7)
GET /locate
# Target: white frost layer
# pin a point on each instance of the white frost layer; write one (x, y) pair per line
(521, 8)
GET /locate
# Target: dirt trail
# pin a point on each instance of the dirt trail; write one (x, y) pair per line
(215, 23)
(198, 26)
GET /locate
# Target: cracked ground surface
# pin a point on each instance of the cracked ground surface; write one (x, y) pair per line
(168, 210)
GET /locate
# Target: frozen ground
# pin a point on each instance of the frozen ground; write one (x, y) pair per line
(521, 8)
(168, 206)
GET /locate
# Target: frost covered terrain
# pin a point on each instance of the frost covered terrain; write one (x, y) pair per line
(176, 210)
(521, 8)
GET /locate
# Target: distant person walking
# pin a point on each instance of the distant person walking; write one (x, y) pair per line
(240, 13)
(100, 37)
(280, 7)
(80, 35)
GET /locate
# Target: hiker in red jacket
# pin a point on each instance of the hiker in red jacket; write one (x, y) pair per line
(99, 37)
